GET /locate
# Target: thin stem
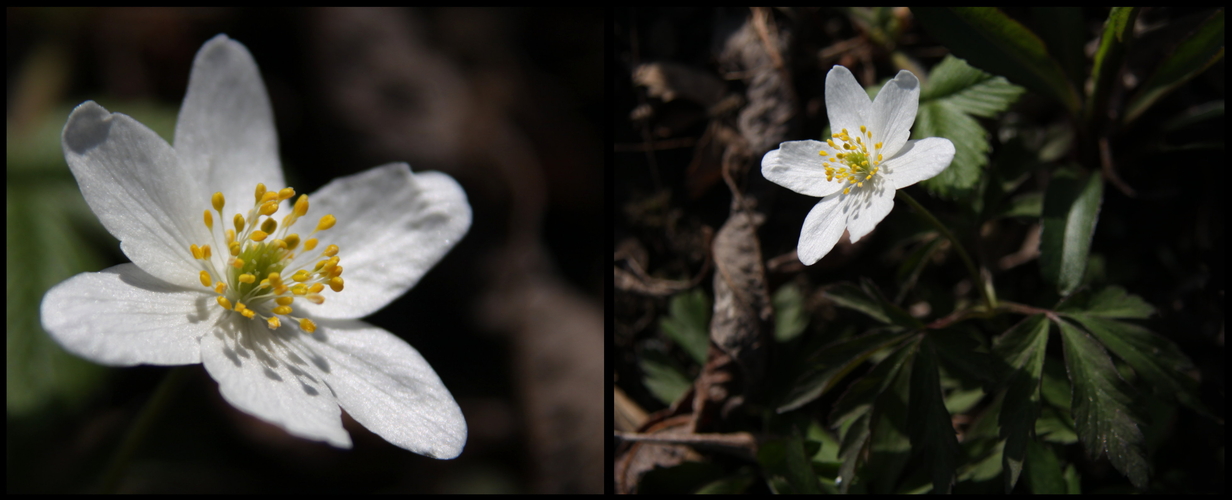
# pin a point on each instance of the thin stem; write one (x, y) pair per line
(979, 282)
(141, 427)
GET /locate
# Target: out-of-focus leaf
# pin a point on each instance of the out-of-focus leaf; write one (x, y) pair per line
(799, 468)
(735, 484)
(663, 379)
(684, 478)
(1101, 404)
(954, 94)
(687, 323)
(993, 42)
(868, 300)
(1071, 209)
(1029, 205)
(1193, 56)
(790, 318)
(1044, 474)
(1109, 57)
(910, 268)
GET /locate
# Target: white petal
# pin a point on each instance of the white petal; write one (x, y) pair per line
(388, 387)
(894, 112)
(822, 229)
(135, 184)
(225, 132)
(123, 316)
(274, 376)
(393, 226)
(797, 165)
(847, 104)
(868, 206)
(918, 160)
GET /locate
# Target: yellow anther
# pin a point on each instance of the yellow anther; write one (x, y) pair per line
(238, 263)
(301, 206)
(222, 301)
(335, 284)
(274, 323)
(196, 251)
(269, 226)
(205, 252)
(205, 279)
(220, 287)
(299, 289)
(286, 193)
(275, 278)
(240, 307)
(307, 325)
(268, 197)
(326, 222)
(823, 153)
(283, 310)
(292, 241)
(300, 276)
(218, 201)
(258, 235)
(335, 272)
(209, 220)
(310, 244)
(260, 192)
(284, 301)
(239, 223)
(848, 190)
(269, 208)
(331, 250)
(315, 299)
(234, 248)
(314, 288)
(248, 313)
(230, 236)
(247, 278)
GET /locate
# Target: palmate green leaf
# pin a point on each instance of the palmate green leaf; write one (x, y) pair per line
(688, 323)
(993, 42)
(1156, 359)
(1022, 348)
(954, 94)
(1101, 404)
(1110, 302)
(929, 424)
(1071, 209)
(833, 362)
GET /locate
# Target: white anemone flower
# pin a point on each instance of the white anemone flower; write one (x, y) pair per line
(857, 171)
(238, 286)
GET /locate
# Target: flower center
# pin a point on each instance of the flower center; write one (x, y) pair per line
(259, 253)
(853, 162)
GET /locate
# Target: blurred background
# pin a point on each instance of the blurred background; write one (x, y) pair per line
(508, 102)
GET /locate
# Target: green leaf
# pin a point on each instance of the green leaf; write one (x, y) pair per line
(929, 423)
(662, 377)
(1101, 403)
(1154, 358)
(1029, 205)
(1109, 57)
(1022, 348)
(688, 323)
(832, 363)
(868, 300)
(954, 94)
(1190, 58)
(1110, 302)
(799, 468)
(790, 318)
(1071, 209)
(993, 42)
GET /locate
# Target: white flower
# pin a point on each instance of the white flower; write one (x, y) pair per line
(238, 286)
(858, 170)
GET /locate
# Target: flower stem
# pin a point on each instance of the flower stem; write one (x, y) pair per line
(141, 427)
(984, 287)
